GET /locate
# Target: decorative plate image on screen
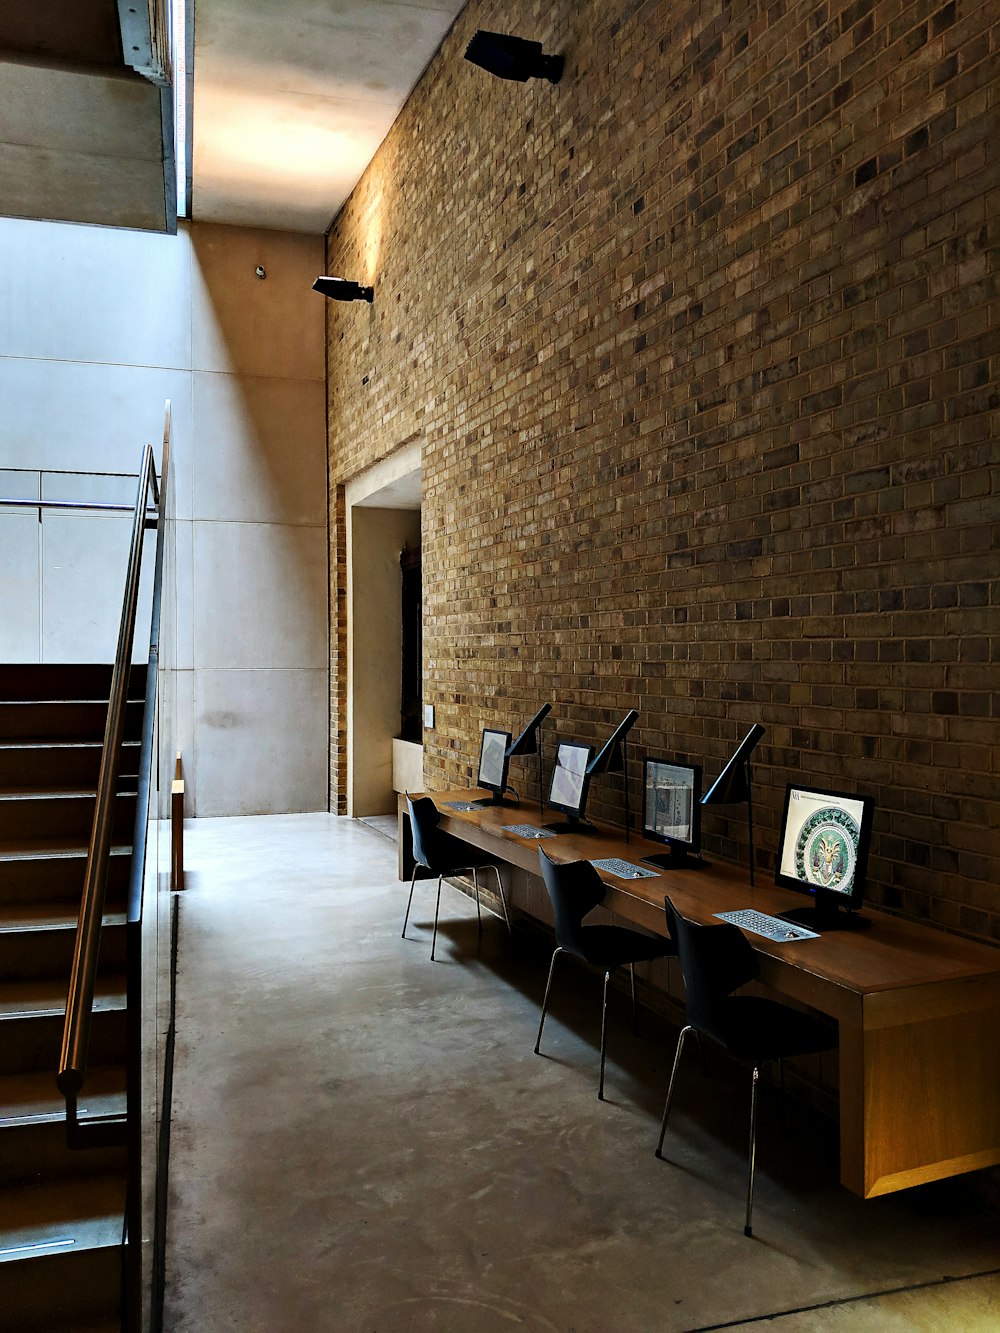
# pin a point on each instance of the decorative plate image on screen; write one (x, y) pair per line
(823, 847)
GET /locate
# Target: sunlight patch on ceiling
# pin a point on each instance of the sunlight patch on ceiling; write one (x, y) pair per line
(291, 101)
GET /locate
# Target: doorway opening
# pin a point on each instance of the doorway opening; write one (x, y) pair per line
(384, 635)
(411, 705)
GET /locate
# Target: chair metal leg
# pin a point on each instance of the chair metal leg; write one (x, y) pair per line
(604, 1036)
(747, 1231)
(479, 910)
(503, 898)
(635, 1016)
(545, 1000)
(437, 908)
(413, 880)
(701, 1053)
(670, 1087)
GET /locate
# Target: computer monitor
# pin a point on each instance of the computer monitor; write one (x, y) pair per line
(493, 762)
(823, 851)
(671, 812)
(570, 784)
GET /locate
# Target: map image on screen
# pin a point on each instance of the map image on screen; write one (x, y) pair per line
(670, 801)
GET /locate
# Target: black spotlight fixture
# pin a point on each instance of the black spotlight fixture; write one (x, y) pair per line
(340, 289)
(513, 58)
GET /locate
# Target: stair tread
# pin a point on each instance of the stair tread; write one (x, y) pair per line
(53, 743)
(36, 793)
(44, 995)
(34, 1098)
(46, 915)
(66, 1215)
(53, 847)
(67, 699)
(64, 790)
(71, 699)
(56, 793)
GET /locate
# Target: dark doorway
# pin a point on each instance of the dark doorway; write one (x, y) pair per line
(411, 703)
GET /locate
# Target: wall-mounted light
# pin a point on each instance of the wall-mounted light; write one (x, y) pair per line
(613, 758)
(513, 58)
(733, 786)
(341, 289)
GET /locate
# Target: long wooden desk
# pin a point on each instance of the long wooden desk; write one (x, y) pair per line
(918, 1009)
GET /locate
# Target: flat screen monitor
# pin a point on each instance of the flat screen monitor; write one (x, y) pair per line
(493, 761)
(671, 812)
(823, 851)
(730, 787)
(570, 782)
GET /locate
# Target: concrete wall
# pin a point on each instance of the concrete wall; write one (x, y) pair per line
(97, 328)
(701, 348)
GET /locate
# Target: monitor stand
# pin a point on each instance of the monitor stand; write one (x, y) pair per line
(677, 858)
(484, 801)
(571, 824)
(825, 918)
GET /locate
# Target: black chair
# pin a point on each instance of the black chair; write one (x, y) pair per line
(715, 961)
(575, 888)
(442, 855)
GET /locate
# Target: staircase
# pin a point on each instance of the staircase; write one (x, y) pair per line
(61, 1210)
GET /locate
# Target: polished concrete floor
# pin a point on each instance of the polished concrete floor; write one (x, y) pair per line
(363, 1139)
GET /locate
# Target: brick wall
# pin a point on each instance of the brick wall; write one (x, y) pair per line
(701, 346)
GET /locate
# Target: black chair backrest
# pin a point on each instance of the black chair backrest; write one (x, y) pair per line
(575, 888)
(715, 961)
(424, 818)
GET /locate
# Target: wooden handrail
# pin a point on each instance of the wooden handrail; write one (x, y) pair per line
(80, 999)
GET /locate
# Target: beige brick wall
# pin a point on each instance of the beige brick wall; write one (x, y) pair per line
(701, 349)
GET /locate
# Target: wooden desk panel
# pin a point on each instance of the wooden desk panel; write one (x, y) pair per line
(918, 1010)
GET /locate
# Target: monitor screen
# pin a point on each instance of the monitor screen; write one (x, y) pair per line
(568, 791)
(823, 844)
(671, 812)
(493, 760)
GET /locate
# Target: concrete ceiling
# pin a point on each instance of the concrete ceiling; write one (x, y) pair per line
(402, 493)
(289, 100)
(84, 135)
(292, 98)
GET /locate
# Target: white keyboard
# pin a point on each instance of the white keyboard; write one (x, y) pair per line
(771, 927)
(613, 865)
